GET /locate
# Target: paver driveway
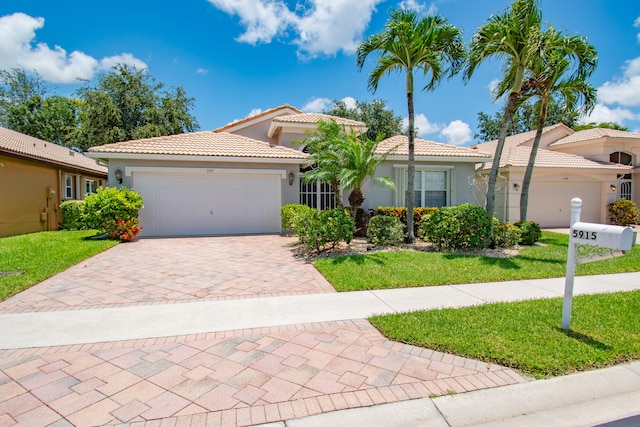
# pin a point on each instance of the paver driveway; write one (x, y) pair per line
(177, 270)
(212, 378)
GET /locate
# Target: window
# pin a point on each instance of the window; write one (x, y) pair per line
(430, 189)
(69, 186)
(90, 186)
(621, 158)
(317, 195)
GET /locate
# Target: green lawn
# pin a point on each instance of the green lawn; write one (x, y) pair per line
(605, 330)
(395, 269)
(41, 255)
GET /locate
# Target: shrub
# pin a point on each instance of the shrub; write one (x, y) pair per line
(385, 231)
(290, 212)
(457, 227)
(506, 235)
(623, 212)
(72, 215)
(318, 229)
(531, 232)
(419, 214)
(114, 211)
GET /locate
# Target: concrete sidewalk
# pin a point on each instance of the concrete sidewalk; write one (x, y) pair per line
(68, 327)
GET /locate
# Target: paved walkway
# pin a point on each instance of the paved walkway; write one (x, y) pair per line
(215, 361)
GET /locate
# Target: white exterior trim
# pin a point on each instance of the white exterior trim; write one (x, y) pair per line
(452, 159)
(128, 170)
(180, 157)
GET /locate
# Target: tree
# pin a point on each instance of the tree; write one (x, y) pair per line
(525, 119)
(51, 119)
(127, 103)
(405, 44)
(549, 76)
(379, 119)
(513, 35)
(604, 125)
(16, 88)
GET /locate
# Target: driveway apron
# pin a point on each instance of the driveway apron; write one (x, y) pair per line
(240, 377)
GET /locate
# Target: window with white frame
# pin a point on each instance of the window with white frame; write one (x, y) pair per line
(317, 195)
(432, 186)
(90, 186)
(69, 186)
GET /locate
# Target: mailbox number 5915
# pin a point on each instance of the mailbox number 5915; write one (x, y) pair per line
(585, 235)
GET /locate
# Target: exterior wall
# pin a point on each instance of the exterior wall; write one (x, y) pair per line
(285, 138)
(257, 131)
(290, 193)
(31, 193)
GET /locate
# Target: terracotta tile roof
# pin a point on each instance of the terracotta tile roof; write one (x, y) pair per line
(209, 143)
(283, 107)
(28, 146)
(313, 118)
(399, 145)
(595, 134)
(519, 157)
(516, 140)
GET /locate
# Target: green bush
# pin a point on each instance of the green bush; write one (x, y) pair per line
(506, 235)
(385, 231)
(531, 232)
(72, 215)
(419, 214)
(457, 227)
(326, 228)
(290, 212)
(114, 211)
(623, 212)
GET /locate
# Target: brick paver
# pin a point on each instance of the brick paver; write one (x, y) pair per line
(151, 271)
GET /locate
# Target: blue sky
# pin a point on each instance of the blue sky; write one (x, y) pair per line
(239, 57)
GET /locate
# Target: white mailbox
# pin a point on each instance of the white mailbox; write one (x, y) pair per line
(605, 236)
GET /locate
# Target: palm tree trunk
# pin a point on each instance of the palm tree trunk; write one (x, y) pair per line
(411, 170)
(504, 128)
(526, 182)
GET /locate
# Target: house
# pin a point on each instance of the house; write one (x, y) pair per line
(36, 177)
(234, 179)
(597, 165)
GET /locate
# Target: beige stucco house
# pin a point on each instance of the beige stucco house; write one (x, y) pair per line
(599, 166)
(35, 177)
(234, 179)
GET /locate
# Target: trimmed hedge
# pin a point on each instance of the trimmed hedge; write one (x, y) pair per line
(623, 212)
(385, 231)
(458, 227)
(400, 212)
(72, 212)
(531, 232)
(317, 230)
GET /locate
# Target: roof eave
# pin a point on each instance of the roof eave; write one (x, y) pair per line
(199, 158)
(456, 159)
(54, 162)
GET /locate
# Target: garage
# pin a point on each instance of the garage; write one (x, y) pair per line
(550, 202)
(209, 202)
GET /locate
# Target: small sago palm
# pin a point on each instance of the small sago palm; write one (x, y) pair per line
(405, 44)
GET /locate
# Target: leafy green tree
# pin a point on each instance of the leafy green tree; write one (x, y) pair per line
(16, 88)
(379, 119)
(127, 103)
(603, 125)
(51, 119)
(407, 43)
(525, 119)
(551, 74)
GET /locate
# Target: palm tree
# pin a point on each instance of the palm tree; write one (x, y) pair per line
(407, 43)
(549, 77)
(515, 36)
(359, 164)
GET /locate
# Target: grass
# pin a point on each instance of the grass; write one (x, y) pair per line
(605, 330)
(396, 269)
(41, 255)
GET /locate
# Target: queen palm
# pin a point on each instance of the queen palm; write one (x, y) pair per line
(407, 43)
(550, 76)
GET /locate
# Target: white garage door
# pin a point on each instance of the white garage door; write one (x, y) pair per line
(177, 204)
(550, 202)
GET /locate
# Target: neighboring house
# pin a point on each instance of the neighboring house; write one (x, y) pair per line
(234, 179)
(36, 177)
(597, 165)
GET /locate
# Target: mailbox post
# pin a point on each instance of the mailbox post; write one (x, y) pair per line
(590, 242)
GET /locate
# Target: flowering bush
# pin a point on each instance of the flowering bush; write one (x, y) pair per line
(531, 232)
(114, 212)
(623, 212)
(419, 214)
(320, 229)
(506, 235)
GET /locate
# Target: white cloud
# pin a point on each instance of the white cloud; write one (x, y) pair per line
(418, 6)
(318, 105)
(349, 102)
(254, 112)
(602, 113)
(457, 133)
(202, 71)
(626, 90)
(422, 124)
(324, 27)
(637, 25)
(125, 58)
(17, 50)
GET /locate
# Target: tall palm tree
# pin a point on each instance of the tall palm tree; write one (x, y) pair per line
(513, 35)
(407, 43)
(550, 77)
